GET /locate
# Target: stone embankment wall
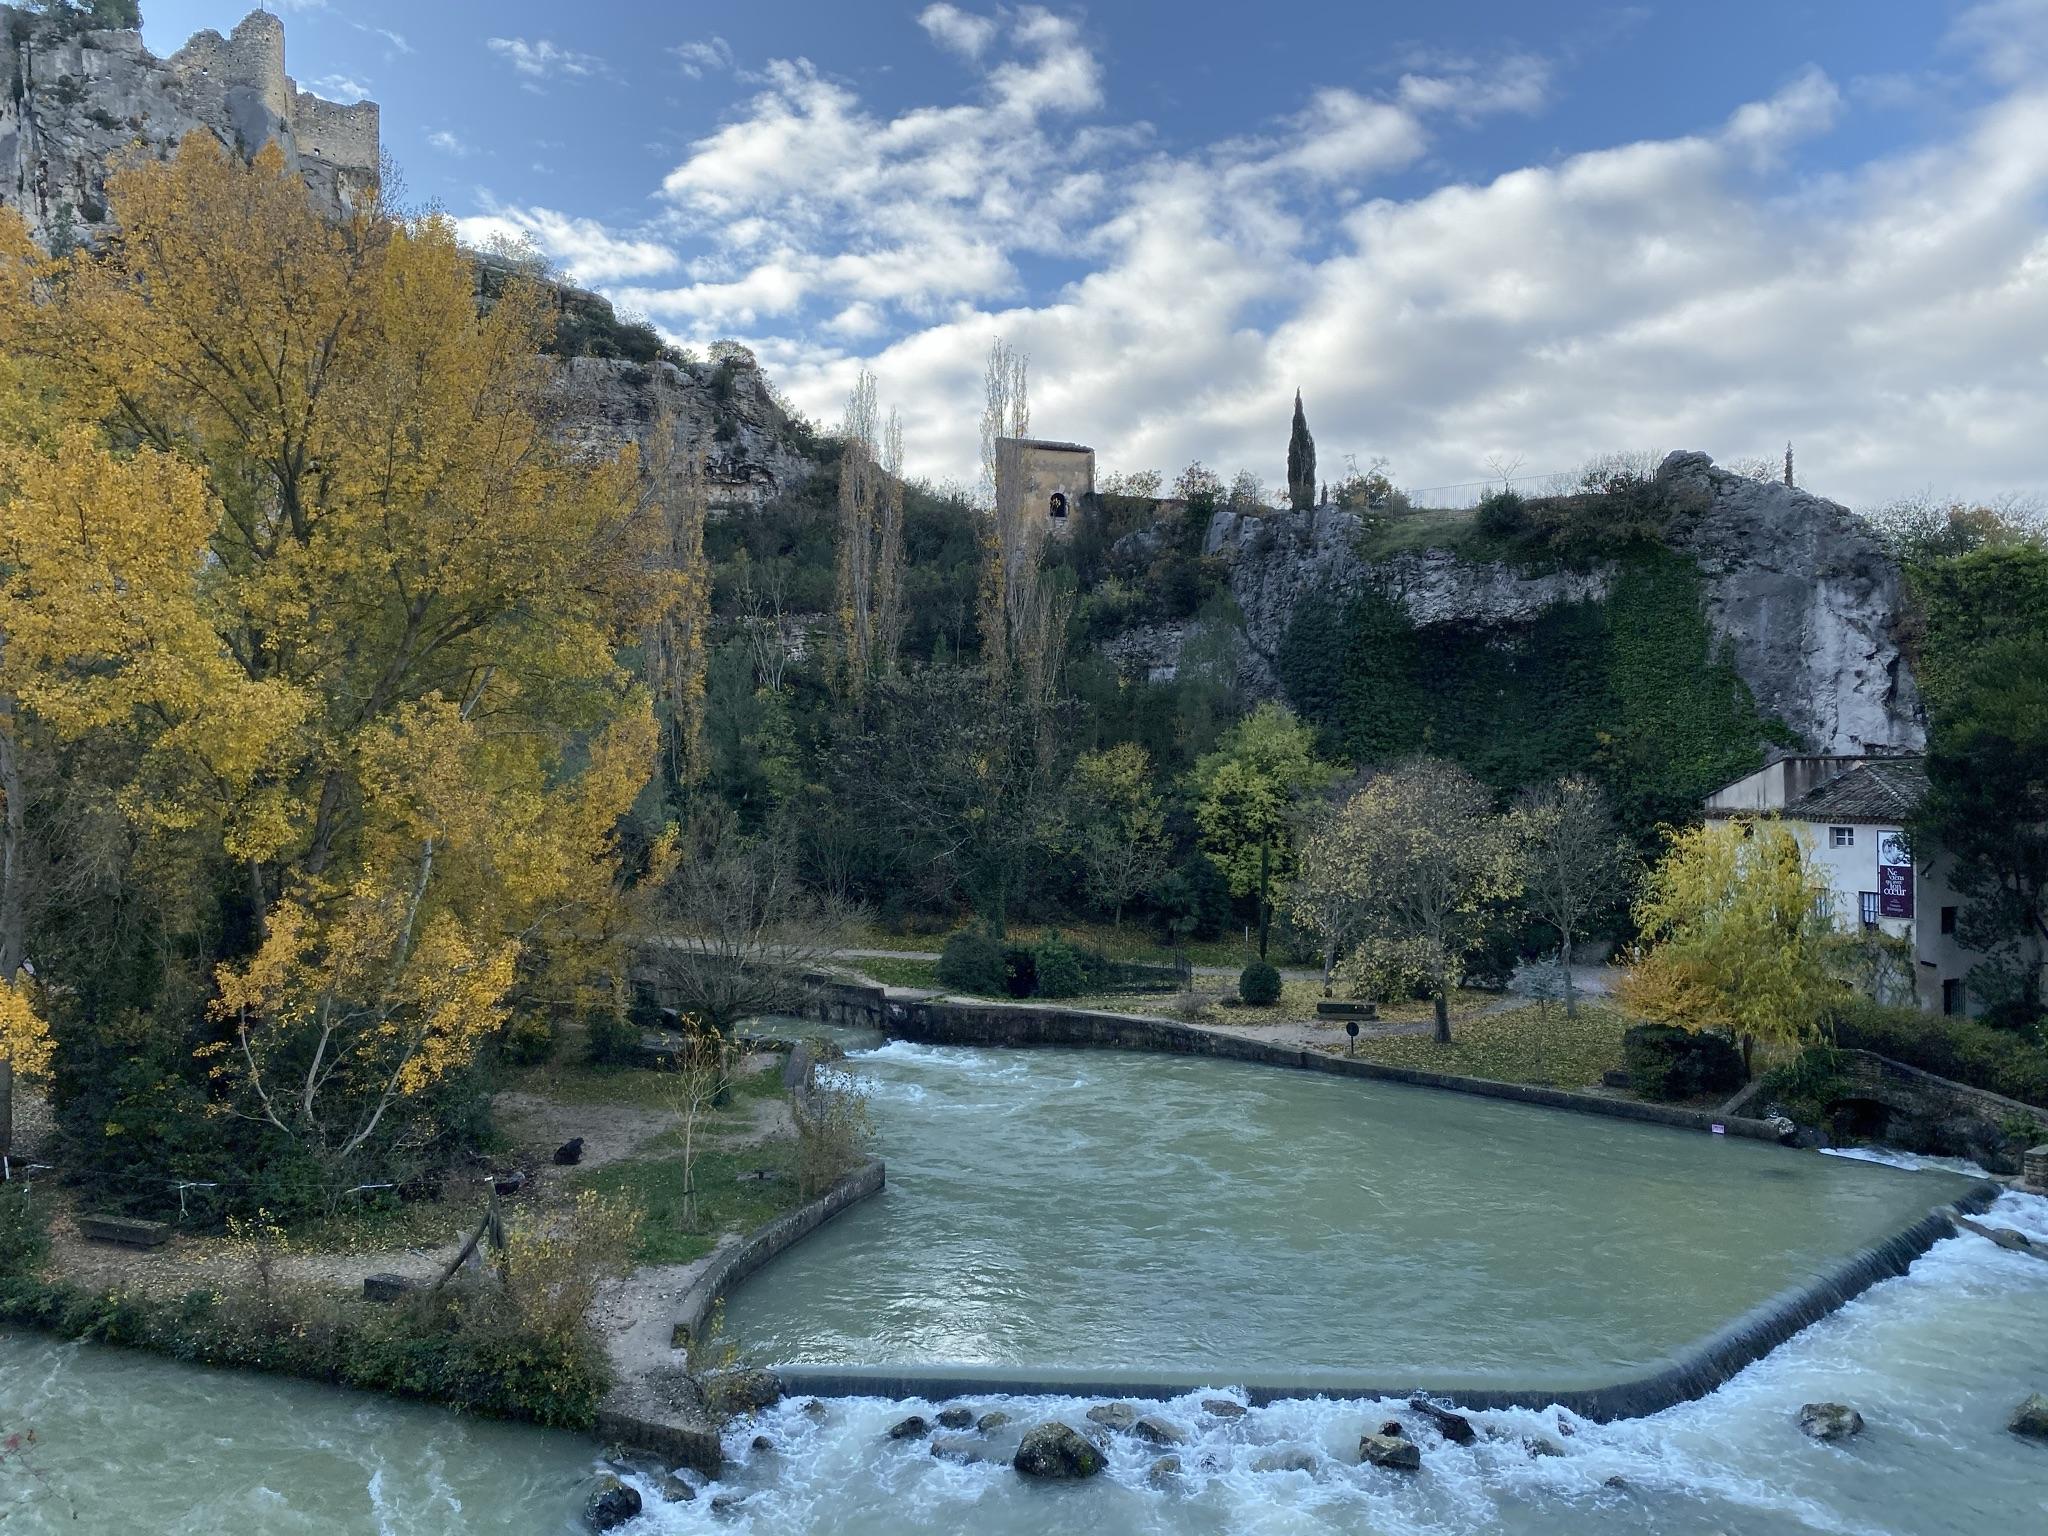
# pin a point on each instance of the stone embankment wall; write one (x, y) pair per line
(949, 1021)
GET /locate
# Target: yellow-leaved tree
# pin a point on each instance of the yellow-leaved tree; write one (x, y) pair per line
(1735, 936)
(297, 544)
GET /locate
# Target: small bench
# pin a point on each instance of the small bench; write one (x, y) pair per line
(129, 1231)
(1332, 1009)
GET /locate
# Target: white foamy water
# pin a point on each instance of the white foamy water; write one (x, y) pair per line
(1935, 1360)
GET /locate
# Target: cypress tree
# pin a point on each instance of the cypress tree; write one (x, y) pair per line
(1301, 462)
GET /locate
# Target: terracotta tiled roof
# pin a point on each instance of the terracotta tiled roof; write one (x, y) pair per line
(1878, 789)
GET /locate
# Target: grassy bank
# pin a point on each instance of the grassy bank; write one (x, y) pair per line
(1535, 1044)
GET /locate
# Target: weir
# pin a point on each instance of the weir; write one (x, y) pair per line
(1109, 1224)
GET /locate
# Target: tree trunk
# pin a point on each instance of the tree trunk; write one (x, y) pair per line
(1571, 996)
(1443, 1017)
(6, 1105)
(1265, 908)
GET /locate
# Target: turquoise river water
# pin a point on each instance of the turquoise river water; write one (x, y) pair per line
(1100, 1210)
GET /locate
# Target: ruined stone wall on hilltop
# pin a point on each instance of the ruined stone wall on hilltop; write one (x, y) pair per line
(76, 99)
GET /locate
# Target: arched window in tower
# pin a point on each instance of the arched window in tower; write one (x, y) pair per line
(1059, 504)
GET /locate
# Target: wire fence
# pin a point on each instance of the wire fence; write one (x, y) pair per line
(1469, 493)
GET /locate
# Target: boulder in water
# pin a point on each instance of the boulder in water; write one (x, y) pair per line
(1058, 1451)
(1396, 1452)
(1454, 1427)
(955, 1417)
(1829, 1421)
(814, 1409)
(961, 1448)
(1164, 1468)
(2031, 1418)
(990, 1422)
(611, 1504)
(730, 1392)
(723, 1504)
(673, 1489)
(1117, 1416)
(1288, 1459)
(1223, 1408)
(1159, 1431)
(916, 1427)
(762, 1443)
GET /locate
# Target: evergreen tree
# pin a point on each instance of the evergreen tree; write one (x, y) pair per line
(1301, 462)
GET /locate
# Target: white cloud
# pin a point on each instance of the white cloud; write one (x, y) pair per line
(340, 88)
(2009, 38)
(1690, 291)
(396, 40)
(450, 143)
(963, 32)
(542, 59)
(1806, 106)
(583, 248)
(708, 56)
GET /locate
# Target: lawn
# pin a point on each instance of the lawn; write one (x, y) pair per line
(1536, 1044)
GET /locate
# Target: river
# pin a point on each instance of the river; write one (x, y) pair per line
(1935, 1360)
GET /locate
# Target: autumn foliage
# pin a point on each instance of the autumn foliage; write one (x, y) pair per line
(295, 557)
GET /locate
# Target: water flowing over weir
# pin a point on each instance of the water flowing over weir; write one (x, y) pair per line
(1109, 1222)
(1935, 1359)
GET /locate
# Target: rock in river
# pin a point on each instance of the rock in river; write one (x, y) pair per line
(1164, 1468)
(611, 1504)
(1117, 1416)
(1454, 1427)
(1222, 1408)
(961, 1448)
(1288, 1459)
(913, 1428)
(1159, 1431)
(1396, 1452)
(2031, 1418)
(989, 1423)
(1829, 1421)
(1056, 1450)
(956, 1417)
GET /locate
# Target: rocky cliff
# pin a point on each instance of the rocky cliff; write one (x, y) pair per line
(1800, 596)
(77, 99)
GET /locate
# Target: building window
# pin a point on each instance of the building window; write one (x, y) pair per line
(1059, 503)
(1867, 900)
(1841, 837)
(1952, 996)
(1948, 919)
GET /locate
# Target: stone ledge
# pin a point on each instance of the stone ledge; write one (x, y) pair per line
(730, 1265)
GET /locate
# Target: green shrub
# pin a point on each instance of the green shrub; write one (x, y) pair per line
(1060, 971)
(529, 1040)
(24, 1230)
(971, 962)
(1963, 1049)
(1807, 1087)
(610, 1041)
(1665, 1062)
(1259, 984)
(1501, 515)
(1020, 971)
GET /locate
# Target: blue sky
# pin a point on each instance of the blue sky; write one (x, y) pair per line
(1470, 230)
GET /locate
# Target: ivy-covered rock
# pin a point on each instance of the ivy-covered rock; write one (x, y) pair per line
(1058, 1452)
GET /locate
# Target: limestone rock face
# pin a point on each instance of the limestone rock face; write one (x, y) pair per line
(724, 412)
(74, 97)
(1796, 587)
(1804, 597)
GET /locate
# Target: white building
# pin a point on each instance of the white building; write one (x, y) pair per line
(1855, 812)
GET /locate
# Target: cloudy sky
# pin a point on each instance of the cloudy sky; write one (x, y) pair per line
(1468, 230)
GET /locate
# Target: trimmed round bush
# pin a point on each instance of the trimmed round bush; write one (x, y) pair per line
(1059, 969)
(1501, 515)
(1259, 984)
(1665, 1062)
(972, 962)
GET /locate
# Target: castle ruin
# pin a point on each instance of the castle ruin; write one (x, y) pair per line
(76, 98)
